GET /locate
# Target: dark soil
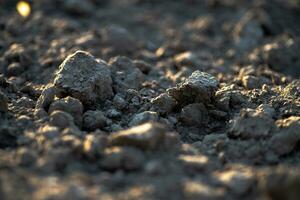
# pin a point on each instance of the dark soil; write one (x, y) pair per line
(149, 99)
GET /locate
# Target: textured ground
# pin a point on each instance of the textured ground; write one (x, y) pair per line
(149, 99)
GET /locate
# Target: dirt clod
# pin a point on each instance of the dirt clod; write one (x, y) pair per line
(83, 77)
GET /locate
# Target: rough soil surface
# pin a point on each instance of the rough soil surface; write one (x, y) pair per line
(149, 99)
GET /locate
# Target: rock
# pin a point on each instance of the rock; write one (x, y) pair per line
(17, 53)
(119, 102)
(76, 7)
(149, 136)
(40, 113)
(282, 183)
(23, 120)
(228, 97)
(140, 118)
(49, 132)
(113, 113)
(251, 124)
(198, 88)
(288, 136)
(125, 74)
(186, 59)
(251, 82)
(127, 158)
(61, 119)
(15, 69)
(282, 56)
(239, 181)
(193, 60)
(94, 145)
(26, 157)
(143, 66)
(93, 120)
(74, 192)
(164, 103)
(25, 102)
(248, 33)
(46, 97)
(194, 162)
(83, 77)
(70, 105)
(194, 115)
(197, 189)
(119, 38)
(3, 102)
(266, 109)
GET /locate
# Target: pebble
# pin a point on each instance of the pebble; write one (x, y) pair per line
(61, 119)
(149, 136)
(164, 103)
(85, 78)
(125, 74)
(251, 82)
(15, 69)
(3, 102)
(127, 158)
(288, 136)
(251, 124)
(46, 97)
(93, 120)
(143, 117)
(70, 105)
(194, 115)
(199, 87)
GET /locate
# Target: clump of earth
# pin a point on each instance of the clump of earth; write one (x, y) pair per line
(150, 100)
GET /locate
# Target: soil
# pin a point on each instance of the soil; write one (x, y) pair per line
(149, 99)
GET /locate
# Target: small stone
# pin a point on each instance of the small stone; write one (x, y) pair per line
(288, 136)
(125, 74)
(84, 78)
(113, 113)
(23, 120)
(17, 53)
(282, 183)
(127, 158)
(164, 103)
(143, 66)
(238, 181)
(196, 189)
(115, 127)
(194, 162)
(25, 102)
(15, 69)
(194, 114)
(251, 124)
(251, 82)
(153, 168)
(70, 105)
(40, 113)
(76, 7)
(143, 117)
(3, 102)
(74, 192)
(199, 87)
(119, 38)
(149, 136)
(46, 97)
(61, 119)
(93, 120)
(26, 157)
(192, 60)
(93, 145)
(50, 132)
(119, 102)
